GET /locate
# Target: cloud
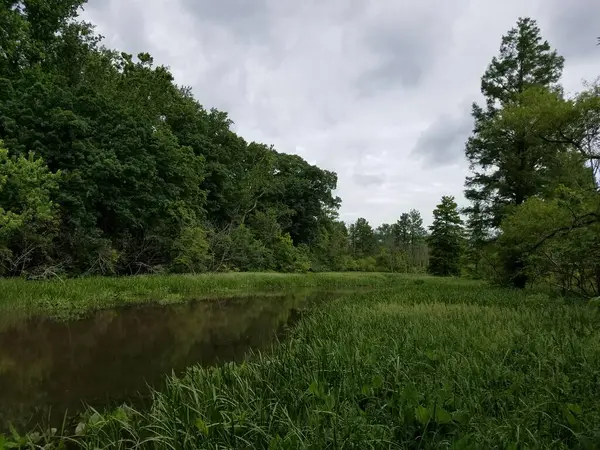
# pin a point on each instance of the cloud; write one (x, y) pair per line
(443, 142)
(575, 27)
(405, 40)
(369, 179)
(249, 19)
(373, 90)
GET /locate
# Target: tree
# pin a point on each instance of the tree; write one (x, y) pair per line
(476, 239)
(417, 253)
(389, 257)
(304, 195)
(28, 214)
(507, 168)
(362, 238)
(556, 231)
(331, 252)
(560, 239)
(150, 180)
(445, 240)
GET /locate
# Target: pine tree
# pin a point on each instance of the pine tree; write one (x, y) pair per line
(445, 241)
(476, 238)
(507, 168)
(501, 164)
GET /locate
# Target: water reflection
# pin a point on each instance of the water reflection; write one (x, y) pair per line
(48, 368)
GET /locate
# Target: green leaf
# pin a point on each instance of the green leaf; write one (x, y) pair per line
(80, 429)
(329, 402)
(460, 416)
(202, 426)
(423, 414)
(442, 416)
(569, 416)
(377, 382)
(314, 388)
(275, 442)
(95, 419)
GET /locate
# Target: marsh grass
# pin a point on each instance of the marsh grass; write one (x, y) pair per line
(434, 364)
(72, 298)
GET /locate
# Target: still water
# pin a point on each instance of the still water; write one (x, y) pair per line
(50, 368)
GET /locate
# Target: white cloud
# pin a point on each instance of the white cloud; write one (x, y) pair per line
(379, 92)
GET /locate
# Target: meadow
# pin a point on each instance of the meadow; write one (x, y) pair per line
(427, 363)
(76, 297)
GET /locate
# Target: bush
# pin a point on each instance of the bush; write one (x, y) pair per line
(28, 216)
(191, 251)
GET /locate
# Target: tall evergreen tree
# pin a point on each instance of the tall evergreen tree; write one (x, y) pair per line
(476, 237)
(507, 169)
(445, 241)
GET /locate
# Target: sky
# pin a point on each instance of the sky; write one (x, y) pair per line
(378, 91)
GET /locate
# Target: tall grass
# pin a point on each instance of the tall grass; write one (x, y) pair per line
(434, 364)
(69, 298)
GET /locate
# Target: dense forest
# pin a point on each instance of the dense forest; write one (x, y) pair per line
(109, 167)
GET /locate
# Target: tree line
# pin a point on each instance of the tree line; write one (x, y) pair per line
(107, 166)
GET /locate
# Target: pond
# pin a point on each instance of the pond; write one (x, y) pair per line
(49, 369)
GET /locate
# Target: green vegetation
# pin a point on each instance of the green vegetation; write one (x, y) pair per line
(76, 297)
(437, 363)
(110, 168)
(534, 152)
(446, 239)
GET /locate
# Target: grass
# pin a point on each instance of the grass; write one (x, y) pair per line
(20, 299)
(433, 364)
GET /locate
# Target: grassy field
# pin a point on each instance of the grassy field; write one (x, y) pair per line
(66, 299)
(431, 364)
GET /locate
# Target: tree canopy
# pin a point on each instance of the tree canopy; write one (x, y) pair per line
(149, 179)
(534, 155)
(113, 168)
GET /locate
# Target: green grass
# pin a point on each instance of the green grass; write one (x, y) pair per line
(432, 364)
(70, 298)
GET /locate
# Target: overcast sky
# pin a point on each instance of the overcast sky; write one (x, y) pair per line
(378, 91)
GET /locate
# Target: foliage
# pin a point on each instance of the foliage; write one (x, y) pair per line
(534, 155)
(191, 251)
(150, 180)
(290, 258)
(28, 215)
(362, 238)
(446, 239)
(561, 238)
(507, 167)
(477, 237)
(445, 363)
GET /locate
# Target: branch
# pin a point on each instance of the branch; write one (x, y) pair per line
(572, 227)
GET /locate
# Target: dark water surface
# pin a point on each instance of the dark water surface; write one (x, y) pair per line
(48, 368)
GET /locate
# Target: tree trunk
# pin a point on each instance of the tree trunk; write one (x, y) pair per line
(514, 269)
